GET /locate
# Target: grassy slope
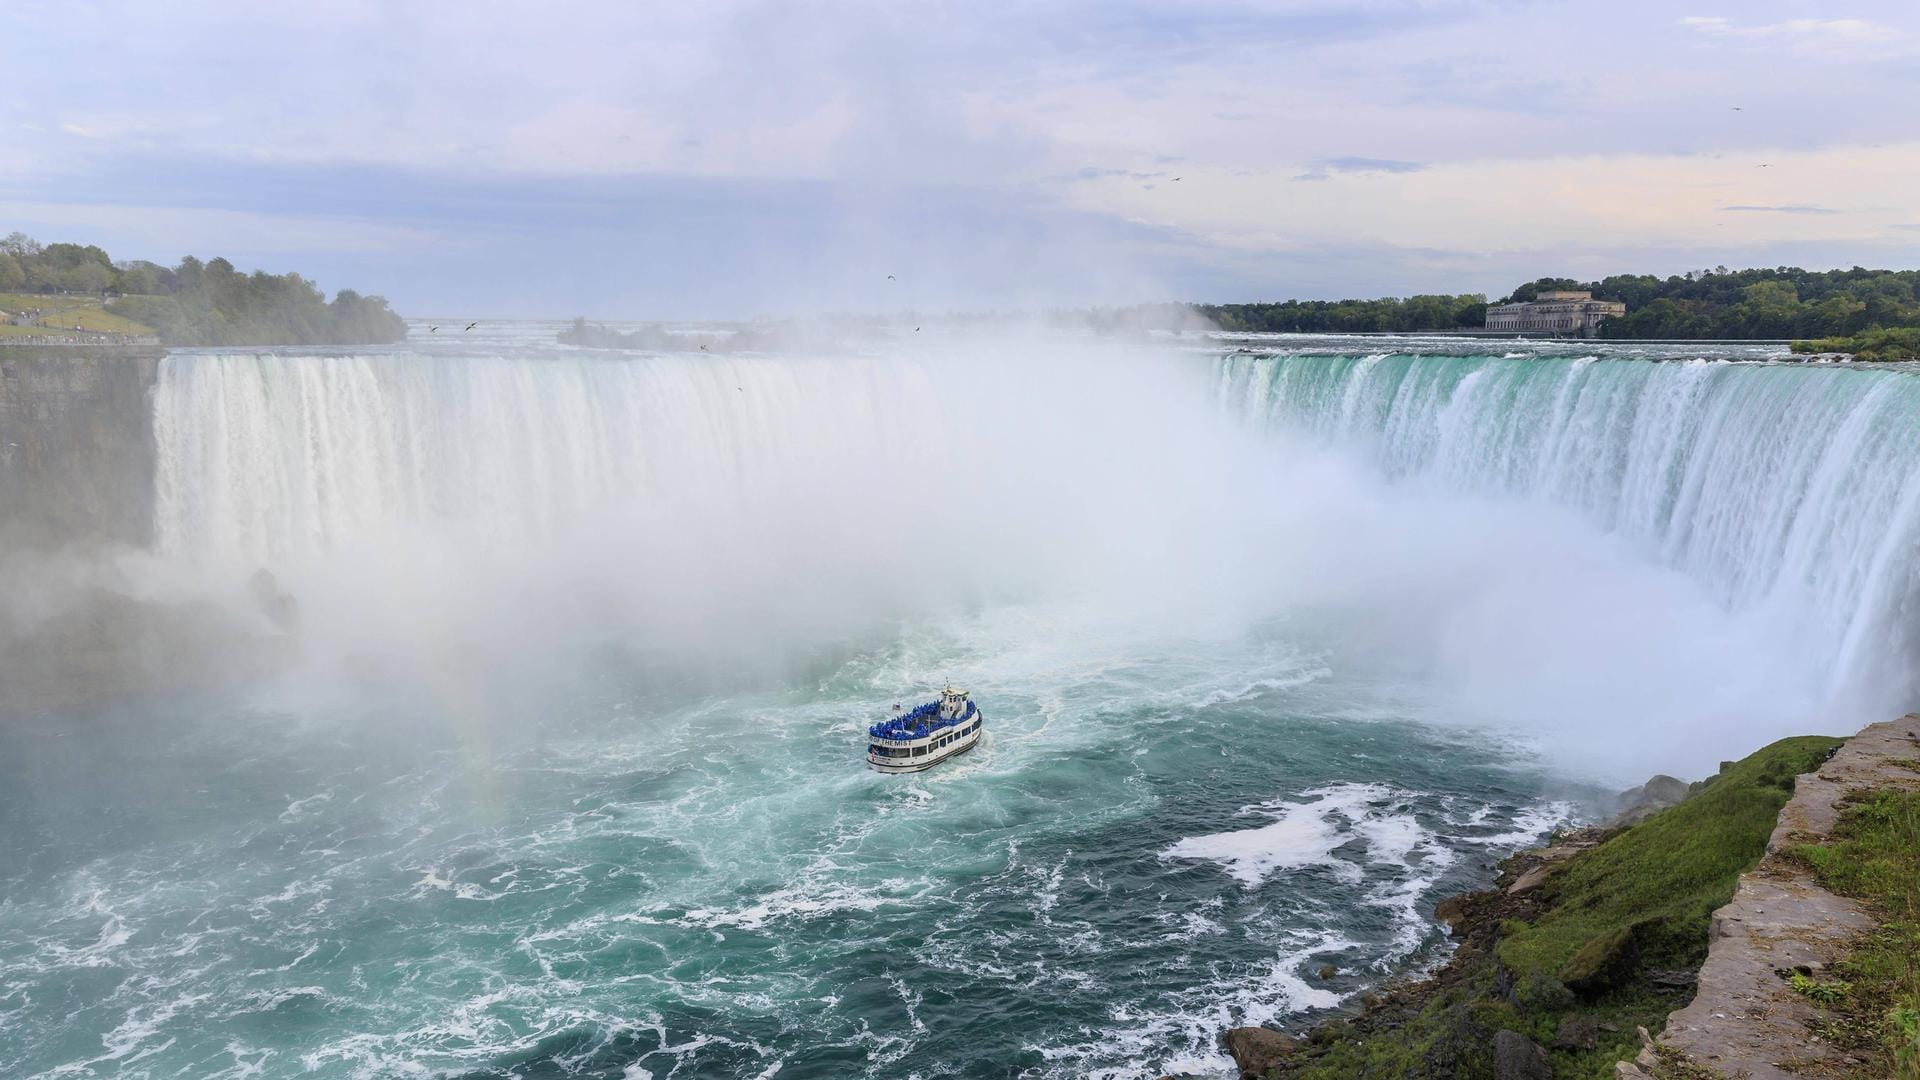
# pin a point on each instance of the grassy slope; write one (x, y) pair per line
(1638, 903)
(65, 313)
(1876, 998)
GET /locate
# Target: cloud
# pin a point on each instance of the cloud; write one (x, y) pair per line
(1831, 37)
(1857, 29)
(1794, 208)
(1325, 168)
(474, 148)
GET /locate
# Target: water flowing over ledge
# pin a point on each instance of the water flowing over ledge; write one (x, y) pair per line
(1791, 492)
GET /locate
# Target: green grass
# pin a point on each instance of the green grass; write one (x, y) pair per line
(1875, 858)
(1880, 343)
(1640, 902)
(66, 314)
(1652, 890)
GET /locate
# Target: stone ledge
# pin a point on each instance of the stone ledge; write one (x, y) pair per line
(1746, 1021)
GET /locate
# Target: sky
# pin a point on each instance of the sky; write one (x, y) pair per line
(734, 158)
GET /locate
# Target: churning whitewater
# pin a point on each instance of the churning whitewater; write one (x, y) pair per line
(563, 774)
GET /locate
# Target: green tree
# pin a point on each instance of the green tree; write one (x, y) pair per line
(1546, 284)
(139, 278)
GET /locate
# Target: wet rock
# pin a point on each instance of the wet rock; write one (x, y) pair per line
(1453, 913)
(1327, 971)
(270, 600)
(1516, 1057)
(1577, 1033)
(106, 646)
(1606, 961)
(1674, 979)
(1650, 798)
(1529, 881)
(1257, 1050)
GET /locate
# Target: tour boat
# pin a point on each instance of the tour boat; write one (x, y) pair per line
(919, 738)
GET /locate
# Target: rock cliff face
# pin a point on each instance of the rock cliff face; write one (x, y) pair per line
(1747, 1021)
(76, 490)
(76, 447)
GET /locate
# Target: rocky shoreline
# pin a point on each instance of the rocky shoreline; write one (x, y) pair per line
(1713, 989)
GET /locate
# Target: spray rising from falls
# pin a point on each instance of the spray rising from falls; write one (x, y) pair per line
(1555, 544)
(1790, 493)
(691, 498)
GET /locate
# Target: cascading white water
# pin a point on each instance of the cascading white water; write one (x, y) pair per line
(269, 457)
(701, 495)
(1792, 493)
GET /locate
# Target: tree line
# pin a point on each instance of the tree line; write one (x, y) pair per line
(201, 303)
(1387, 315)
(1778, 302)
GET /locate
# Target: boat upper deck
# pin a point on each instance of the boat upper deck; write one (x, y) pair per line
(924, 720)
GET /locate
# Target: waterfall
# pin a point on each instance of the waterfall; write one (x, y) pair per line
(734, 493)
(725, 493)
(1791, 492)
(268, 457)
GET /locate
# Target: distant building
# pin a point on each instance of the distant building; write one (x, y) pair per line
(1568, 312)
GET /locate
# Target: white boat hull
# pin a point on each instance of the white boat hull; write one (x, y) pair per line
(933, 752)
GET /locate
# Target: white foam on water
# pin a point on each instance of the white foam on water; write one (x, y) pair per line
(1301, 834)
(1529, 826)
(1152, 1042)
(797, 902)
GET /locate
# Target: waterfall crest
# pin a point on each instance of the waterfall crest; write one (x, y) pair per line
(1791, 492)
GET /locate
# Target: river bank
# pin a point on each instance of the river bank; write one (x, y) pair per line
(1699, 942)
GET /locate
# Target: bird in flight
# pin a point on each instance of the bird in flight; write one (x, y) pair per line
(890, 277)
(1764, 165)
(916, 329)
(1175, 180)
(433, 329)
(703, 348)
(1737, 108)
(470, 326)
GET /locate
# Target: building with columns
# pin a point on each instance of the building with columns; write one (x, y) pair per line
(1563, 313)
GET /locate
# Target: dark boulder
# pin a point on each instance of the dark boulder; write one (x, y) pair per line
(1257, 1050)
(1608, 960)
(1516, 1057)
(1650, 798)
(1577, 1033)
